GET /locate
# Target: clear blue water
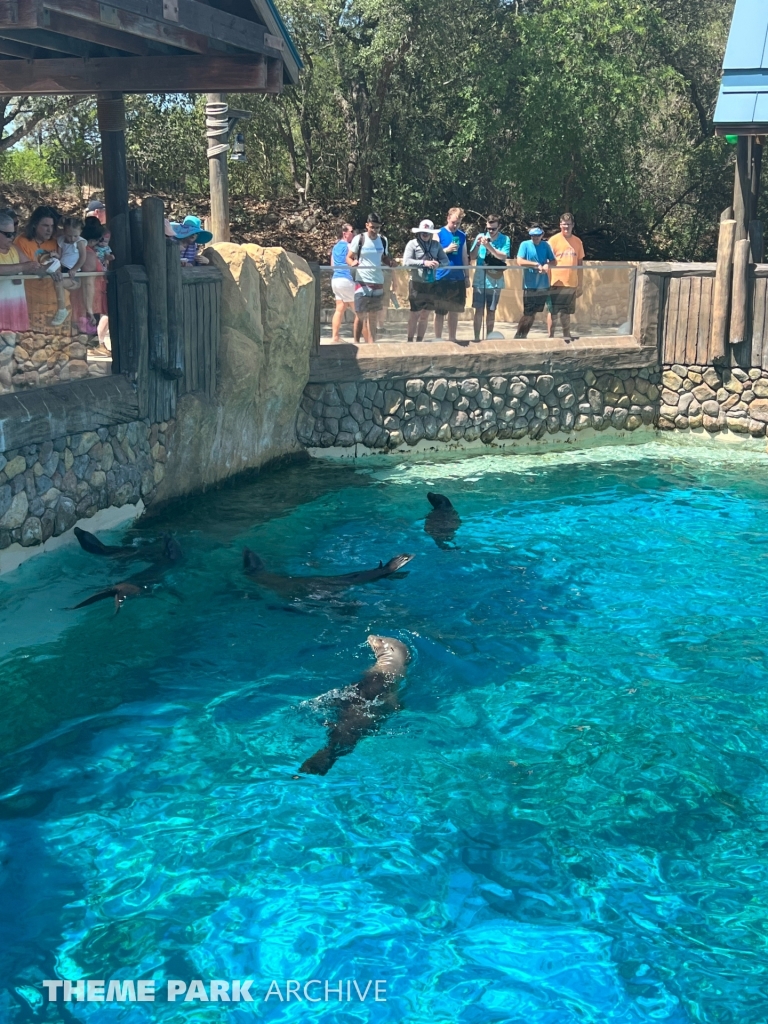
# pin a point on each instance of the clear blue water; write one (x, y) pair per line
(566, 822)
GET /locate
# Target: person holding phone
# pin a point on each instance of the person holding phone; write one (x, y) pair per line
(423, 256)
(451, 291)
(493, 254)
(537, 257)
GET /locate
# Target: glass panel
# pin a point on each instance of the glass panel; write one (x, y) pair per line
(36, 350)
(593, 300)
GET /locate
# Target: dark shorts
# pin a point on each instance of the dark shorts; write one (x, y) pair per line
(488, 297)
(369, 298)
(450, 297)
(562, 300)
(421, 295)
(534, 300)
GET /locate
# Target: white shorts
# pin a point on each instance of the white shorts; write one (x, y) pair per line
(343, 289)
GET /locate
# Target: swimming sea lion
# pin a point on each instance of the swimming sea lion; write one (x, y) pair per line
(90, 543)
(443, 521)
(289, 586)
(362, 707)
(121, 592)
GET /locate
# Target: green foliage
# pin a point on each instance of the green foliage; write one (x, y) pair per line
(27, 165)
(526, 106)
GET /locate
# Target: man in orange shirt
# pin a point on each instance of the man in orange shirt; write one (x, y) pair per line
(565, 283)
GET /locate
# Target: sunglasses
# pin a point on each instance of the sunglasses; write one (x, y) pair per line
(8, 234)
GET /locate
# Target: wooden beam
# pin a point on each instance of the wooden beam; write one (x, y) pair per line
(218, 177)
(23, 50)
(146, 18)
(51, 41)
(21, 13)
(721, 301)
(110, 111)
(78, 28)
(232, 73)
(740, 302)
(741, 186)
(152, 214)
(131, 23)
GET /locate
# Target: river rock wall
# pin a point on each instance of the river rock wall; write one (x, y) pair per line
(714, 399)
(46, 488)
(390, 414)
(35, 359)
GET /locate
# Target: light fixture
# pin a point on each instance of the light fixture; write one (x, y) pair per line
(238, 150)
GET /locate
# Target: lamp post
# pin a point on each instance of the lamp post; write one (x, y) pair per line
(219, 122)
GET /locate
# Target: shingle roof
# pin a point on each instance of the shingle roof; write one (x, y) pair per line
(742, 105)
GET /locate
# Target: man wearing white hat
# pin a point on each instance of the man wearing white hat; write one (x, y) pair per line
(423, 255)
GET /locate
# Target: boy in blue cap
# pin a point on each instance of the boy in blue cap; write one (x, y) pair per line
(536, 256)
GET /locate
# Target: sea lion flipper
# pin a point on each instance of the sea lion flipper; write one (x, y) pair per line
(101, 596)
(90, 543)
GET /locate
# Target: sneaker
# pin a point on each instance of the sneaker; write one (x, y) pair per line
(59, 318)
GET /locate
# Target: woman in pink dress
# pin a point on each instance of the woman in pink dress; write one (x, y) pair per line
(14, 315)
(89, 304)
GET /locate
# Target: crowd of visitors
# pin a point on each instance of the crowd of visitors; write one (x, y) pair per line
(441, 264)
(53, 269)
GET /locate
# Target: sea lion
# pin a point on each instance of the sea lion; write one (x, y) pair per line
(443, 521)
(90, 543)
(120, 591)
(291, 586)
(362, 707)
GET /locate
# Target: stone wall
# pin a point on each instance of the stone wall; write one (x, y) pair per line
(715, 399)
(45, 488)
(390, 414)
(34, 359)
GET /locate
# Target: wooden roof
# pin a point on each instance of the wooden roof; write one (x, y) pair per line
(86, 46)
(742, 105)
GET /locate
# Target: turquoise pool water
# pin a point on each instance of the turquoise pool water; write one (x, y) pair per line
(566, 822)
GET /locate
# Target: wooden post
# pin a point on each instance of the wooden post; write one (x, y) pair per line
(740, 302)
(137, 235)
(721, 299)
(316, 326)
(756, 241)
(175, 310)
(110, 107)
(217, 125)
(152, 220)
(754, 184)
(741, 187)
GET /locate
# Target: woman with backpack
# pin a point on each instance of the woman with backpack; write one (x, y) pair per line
(368, 253)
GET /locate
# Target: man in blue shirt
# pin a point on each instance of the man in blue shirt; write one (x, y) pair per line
(536, 256)
(341, 283)
(451, 290)
(492, 255)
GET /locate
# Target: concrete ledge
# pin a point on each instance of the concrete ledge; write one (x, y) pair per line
(42, 414)
(105, 519)
(348, 362)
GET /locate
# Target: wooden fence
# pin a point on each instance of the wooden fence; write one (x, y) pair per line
(91, 173)
(200, 333)
(686, 315)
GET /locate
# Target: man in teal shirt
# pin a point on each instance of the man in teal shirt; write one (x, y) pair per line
(536, 256)
(492, 255)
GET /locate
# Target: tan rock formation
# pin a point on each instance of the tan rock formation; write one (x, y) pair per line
(267, 323)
